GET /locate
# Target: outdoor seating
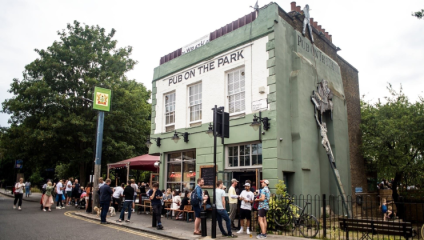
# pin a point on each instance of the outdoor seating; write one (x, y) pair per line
(374, 227)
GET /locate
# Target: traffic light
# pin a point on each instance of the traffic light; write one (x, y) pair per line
(185, 135)
(265, 121)
(158, 142)
(223, 124)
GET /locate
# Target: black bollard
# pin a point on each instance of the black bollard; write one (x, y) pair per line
(203, 223)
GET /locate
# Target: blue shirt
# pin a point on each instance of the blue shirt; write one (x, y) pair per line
(265, 204)
(156, 201)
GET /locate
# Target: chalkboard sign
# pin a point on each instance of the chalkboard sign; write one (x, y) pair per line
(207, 173)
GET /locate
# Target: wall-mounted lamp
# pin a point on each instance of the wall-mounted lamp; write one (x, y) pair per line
(210, 130)
(149, 143)
(257, 122)
(176, 138)
(156, 164)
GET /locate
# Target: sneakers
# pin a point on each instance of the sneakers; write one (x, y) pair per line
(247, 231)
(159, 227)
(14, 207)
(240, 231)
(63, 207)
(19, 208)
(261, 236)
(58, 207)
(133, 210)
(232, 236)
(44, 210)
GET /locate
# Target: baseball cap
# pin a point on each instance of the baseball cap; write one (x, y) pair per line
(247, 184)
(265, 181)
(234, 180)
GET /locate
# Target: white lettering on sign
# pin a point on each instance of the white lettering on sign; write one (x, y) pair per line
(207, 67)
(259, 105)
(196, 44)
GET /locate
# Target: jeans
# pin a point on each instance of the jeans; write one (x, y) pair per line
(105, 209)
(127, 204)
(59, 197)
(27, 192)
(157, 212)
(116, 204)
(222, 214)
(18, 196)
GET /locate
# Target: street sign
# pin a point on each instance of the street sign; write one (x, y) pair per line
(19, 163)
(102, 99)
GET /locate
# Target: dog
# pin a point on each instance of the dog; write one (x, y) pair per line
(98, 210)
(112, 211)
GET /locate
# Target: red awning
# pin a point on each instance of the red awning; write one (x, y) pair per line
(144, 162)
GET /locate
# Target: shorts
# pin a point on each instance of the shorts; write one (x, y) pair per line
(69, 193)
(135, 197)
(262, 212)
(196, 210)
(245, 214)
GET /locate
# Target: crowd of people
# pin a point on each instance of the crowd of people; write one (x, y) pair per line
(123, 197)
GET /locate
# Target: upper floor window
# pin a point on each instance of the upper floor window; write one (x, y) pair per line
(195, 102)
(236, 94)
(170, 112)
(245, 155)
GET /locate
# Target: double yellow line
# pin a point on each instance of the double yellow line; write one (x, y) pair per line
(119, 228)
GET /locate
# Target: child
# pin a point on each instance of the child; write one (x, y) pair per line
(387, 211)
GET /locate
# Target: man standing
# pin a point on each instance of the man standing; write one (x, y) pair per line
(246, 198)
(221, 213)
(196, 207)
(233, 201)
(263, 208)
(68, 190)
(59, 191)
(105, 193)
(101, 182)
(155, 198)
(128, 194)
(135, 187)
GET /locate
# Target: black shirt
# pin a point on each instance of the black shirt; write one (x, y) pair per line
(105, 194)
(184, 202)
(155, 201)
(128, 193)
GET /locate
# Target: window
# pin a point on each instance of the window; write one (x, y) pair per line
(236, 93)
(170, 112)
(181, 171)
(246, 155)
(195, 102)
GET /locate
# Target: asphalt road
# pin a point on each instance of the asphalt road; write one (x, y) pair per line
(32, 223)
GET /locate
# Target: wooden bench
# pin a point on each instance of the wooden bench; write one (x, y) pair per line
(374, 227)
(187, 211)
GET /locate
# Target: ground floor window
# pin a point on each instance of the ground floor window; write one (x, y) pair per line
(245, 155)
(181, 171)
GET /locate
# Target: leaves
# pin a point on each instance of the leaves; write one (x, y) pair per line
(418, 14)
(50, 121)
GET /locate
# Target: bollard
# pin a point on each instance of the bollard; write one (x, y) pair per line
(203, 223)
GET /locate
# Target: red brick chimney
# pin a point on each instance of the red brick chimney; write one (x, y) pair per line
(315, 24)
(298, 9)
(319, 28)
(331, 38)
(293, 6)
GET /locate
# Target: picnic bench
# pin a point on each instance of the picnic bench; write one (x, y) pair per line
(143, 205)
(373, 227)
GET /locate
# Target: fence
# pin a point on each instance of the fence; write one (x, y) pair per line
(361, 217)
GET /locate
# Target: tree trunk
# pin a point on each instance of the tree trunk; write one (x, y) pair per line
(398, 201)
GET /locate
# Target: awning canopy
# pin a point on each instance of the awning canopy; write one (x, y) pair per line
(144, 162)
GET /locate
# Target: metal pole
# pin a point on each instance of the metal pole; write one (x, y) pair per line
(214, 175)
(98, 159)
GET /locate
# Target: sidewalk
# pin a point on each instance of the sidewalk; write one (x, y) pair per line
(177, 229)
(34, 197)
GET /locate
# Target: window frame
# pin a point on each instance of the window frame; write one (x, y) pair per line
(227, 79)
(165, 106)
(181, 182)
(189, 103)
(227, 156)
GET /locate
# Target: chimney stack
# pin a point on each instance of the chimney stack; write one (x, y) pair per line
(293, 6)
(319, 28)
(298, 9)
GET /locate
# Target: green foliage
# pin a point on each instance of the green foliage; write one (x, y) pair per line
(36, 178)
(277, 204)
(392, 135)
(50, 121)
(418, 14)
(62, 171)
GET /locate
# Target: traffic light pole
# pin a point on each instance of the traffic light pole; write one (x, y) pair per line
(214, 173)
(98, 159)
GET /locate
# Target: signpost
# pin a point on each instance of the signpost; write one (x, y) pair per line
(101, 101)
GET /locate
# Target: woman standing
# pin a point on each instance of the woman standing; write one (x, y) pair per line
(87, 196)
(19, 192)
(47, 197)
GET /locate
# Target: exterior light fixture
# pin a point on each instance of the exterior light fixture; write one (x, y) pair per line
(210, 130)
(175, 137)
(149, 143)
(257, 122)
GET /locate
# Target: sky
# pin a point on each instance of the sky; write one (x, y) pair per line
(379, 38)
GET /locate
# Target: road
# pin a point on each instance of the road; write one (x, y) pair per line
(32, 223)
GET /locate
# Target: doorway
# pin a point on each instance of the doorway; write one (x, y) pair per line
(254, 176)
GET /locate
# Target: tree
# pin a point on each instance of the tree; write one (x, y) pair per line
(50, 121)
(418, 14)
(393, 136)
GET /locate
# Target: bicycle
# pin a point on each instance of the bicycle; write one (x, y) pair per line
(284, 216)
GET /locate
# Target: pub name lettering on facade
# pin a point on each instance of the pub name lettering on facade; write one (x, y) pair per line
(204, 68)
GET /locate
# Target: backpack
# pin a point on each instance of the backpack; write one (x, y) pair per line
(194, 200)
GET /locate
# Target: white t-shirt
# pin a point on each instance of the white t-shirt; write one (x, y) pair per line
(135, 186)
(68, 186)
(101, 184)
(58, 188)
(118, 192)
(248, 196)
(219, 194)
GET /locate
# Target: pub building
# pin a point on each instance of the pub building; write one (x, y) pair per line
(260, 64)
